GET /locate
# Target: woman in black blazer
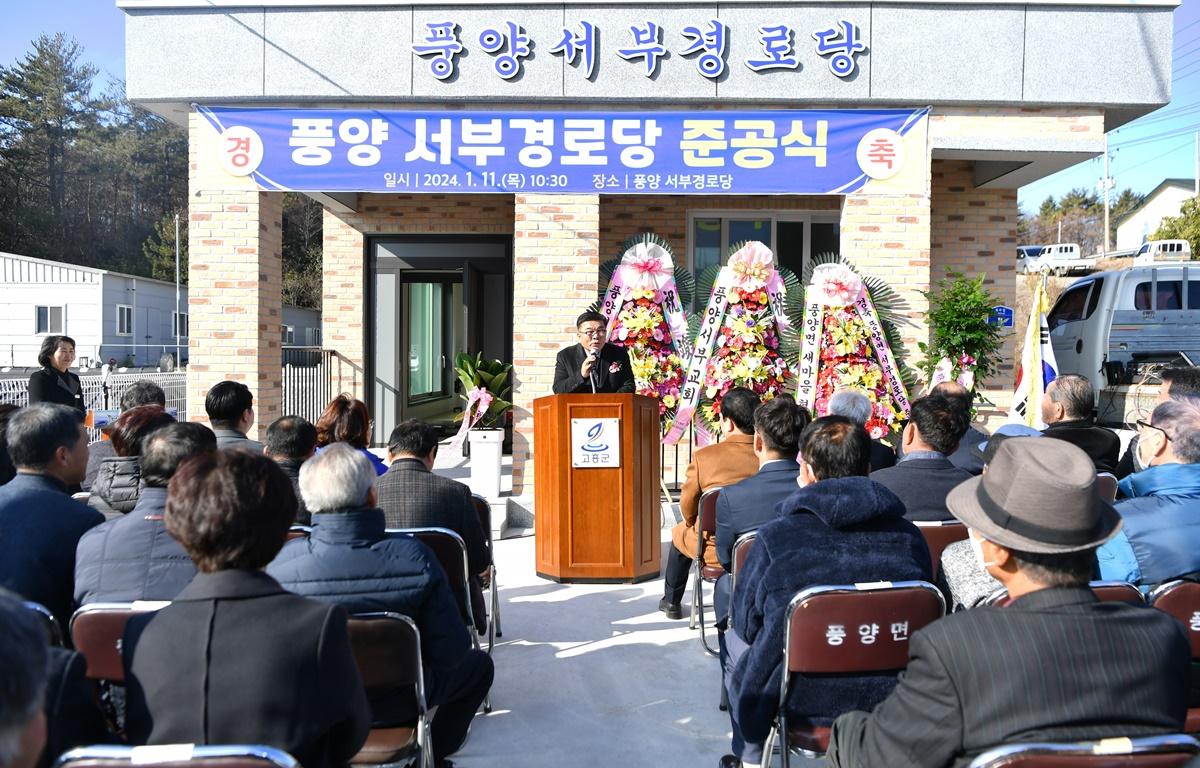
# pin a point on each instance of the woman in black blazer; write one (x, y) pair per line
(236, 659)
(55, 383)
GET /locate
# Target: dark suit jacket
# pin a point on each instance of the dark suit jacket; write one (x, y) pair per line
(743, 507)
(1055, 665)
(73, 718)
(237, 660)
(413, 497)
(40, 526)
(922, 484)
(49, 386)
(1100, 444)
(613, 371)
(291, 468)
(231, 438)
(882, 456)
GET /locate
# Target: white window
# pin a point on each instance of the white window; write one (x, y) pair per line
(179, 324)
(314, 337)
(48, 319)
(289, 334)
(124, 320)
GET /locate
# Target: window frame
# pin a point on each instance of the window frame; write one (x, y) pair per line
(50, 329)
(288, 335)
(774, 215)
(128, 332)
(175, 326)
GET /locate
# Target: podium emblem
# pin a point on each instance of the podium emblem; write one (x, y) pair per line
(596, 443)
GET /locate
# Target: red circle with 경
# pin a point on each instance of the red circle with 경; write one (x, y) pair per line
(241, 150)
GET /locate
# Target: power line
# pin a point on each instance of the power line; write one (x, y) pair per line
(1152, 159)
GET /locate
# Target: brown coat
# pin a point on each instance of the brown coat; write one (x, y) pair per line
(713, 466)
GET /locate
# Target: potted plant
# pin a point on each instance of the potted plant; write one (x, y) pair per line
(963, 338)
(486, 386)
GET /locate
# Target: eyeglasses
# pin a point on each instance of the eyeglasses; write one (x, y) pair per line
(1144, 423)
(594, 332)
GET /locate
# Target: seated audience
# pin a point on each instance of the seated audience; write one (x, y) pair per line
(840, 528)
(40, 523)
(347, 420)
(1054, 664)
(118, 480)
(713, 466)
(856, 406)
(1176, 381)
(230, 408)
(351, 562)
(964, 457)
(133, 557)
(1160, 539)
(1067, 408)
(412, 496)
(144, 392)
(24, 657)
(236, 659)
(748, 504)
(924, 475)
(7, 469)
(291, 441)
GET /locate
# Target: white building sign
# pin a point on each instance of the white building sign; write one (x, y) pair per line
(596, 443)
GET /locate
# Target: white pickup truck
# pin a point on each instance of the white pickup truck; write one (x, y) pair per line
(1057, 259)
(1114, 326)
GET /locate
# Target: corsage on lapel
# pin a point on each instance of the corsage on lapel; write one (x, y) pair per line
(614, 368)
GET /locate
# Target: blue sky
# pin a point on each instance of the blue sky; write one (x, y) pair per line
(1144, 152)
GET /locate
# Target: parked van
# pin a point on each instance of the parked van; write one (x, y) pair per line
(1107, 323)
(1156, 251)
(1027, 258)
(1060, 259)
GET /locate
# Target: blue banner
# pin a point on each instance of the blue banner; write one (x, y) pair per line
(698, 152)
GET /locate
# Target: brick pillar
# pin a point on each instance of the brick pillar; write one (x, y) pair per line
(235, 297)
(343, 293)
(556, 259)
(887, 236)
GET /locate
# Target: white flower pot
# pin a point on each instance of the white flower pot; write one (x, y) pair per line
(487, 447)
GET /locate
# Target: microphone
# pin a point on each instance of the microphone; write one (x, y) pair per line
(594, 358)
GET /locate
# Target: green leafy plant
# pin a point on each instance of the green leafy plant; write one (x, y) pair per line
(494, 376)
(960, 309)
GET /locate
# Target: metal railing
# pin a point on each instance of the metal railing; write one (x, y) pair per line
(306, 381)
(101, 393)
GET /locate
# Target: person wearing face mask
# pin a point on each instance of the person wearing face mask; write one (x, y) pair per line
(1161, 505)
(592, 365)
(1176, 381)
(1054, 664)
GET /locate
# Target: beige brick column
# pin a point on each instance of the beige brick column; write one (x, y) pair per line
(343, 293)
(887, 236)
(556, 259)
(235, 297)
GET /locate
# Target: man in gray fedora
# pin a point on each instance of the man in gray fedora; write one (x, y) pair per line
(1054, 664)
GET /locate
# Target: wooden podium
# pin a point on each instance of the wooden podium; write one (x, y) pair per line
(593, 521)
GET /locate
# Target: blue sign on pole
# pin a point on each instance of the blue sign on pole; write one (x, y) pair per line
(1002, 316)
(701, 152)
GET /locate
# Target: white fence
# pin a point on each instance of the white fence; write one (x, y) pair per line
(99, 394)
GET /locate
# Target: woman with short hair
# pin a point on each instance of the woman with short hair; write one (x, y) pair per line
(235, 659)
(347, 420)
(55, 383)
(115, 490)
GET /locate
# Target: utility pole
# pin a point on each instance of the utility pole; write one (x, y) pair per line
(1196, 188)
(1106, 185)
(178, 317)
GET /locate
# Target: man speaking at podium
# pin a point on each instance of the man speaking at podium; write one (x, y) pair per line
(592, 365)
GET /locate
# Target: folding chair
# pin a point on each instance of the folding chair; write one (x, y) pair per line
(387, 649)
(299, 532)
(1105, 591)
(1148, 752)
(706, 522)
(1181, 600)
(825, 636)
(451, 551)
(741, 550)
(53, 632)
(178, 756)
(96, 630)
(484, 510)
(940, 534)
(1106, 486)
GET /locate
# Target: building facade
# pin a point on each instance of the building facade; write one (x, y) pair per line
(1167, 199)
(987, 96)
(113, 317)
